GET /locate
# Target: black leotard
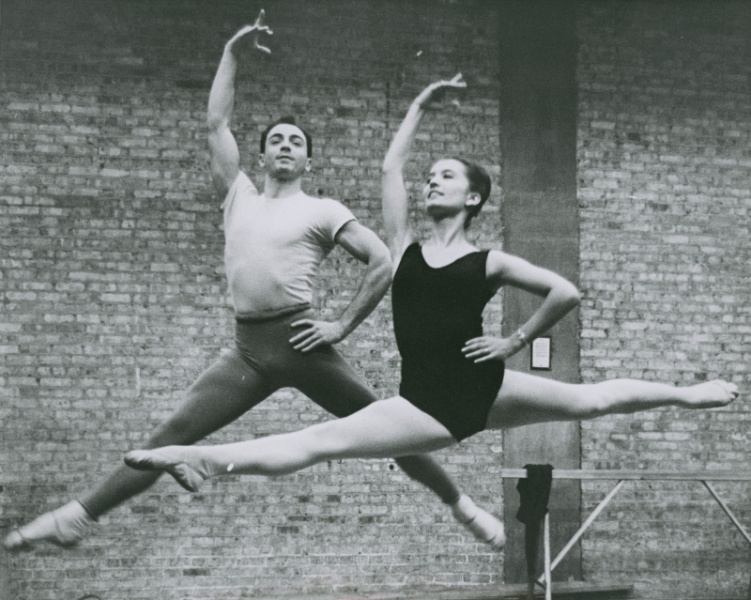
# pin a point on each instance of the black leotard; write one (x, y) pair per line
(436, 311)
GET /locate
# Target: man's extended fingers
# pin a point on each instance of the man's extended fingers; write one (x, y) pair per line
(304, 332)
(259, 23)
(301, 323)
(263, 49)
(303, 335)
(308, 344)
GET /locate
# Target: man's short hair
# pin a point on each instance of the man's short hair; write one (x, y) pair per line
(287, 121)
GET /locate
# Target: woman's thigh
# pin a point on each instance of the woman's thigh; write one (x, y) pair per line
(384, 429)
(526, 399)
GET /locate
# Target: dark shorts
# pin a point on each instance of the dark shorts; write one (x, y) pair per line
(457, 393)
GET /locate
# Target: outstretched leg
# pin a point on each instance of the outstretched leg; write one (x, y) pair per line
(225, 391)
(384, 429)
(525, 399)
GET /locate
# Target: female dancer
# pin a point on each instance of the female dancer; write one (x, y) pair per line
(451, 372)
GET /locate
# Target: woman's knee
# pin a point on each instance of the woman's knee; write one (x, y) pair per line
(318, 443)
(597, 400)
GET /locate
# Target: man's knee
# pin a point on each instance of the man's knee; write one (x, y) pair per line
(415, 465)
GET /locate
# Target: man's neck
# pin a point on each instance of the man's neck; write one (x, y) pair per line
(275, 188)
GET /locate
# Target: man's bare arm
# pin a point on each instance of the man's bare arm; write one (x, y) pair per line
(365, 246)
(225, 156)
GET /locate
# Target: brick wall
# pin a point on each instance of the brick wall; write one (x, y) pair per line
(114, 297)
(664, 163)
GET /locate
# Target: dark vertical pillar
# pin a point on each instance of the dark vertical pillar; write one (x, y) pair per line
(541, 224)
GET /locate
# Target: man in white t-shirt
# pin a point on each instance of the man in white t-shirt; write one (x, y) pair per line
(275, 242)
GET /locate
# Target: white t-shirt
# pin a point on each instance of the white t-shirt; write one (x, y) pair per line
(274, 246)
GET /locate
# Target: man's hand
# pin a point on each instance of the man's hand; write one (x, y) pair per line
(435, 91)
(252, 30)
(483, 349)
(315, 334)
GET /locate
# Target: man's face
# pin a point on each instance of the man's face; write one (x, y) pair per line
(286, 154)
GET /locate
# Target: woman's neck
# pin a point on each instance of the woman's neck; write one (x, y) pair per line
(448, 232)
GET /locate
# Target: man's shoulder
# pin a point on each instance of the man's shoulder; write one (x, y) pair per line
(245, 184)
(241, 185)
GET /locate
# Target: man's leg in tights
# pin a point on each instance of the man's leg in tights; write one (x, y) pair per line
(330, 382)
(221, 394)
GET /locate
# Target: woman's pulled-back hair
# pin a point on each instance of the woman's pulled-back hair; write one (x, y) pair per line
(479, 183)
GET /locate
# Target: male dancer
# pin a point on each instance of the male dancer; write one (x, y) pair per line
(274, 244)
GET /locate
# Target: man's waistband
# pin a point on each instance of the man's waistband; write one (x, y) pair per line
(270, 315)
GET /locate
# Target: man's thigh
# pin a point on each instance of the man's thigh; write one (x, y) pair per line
(225, 391)
(328, 379)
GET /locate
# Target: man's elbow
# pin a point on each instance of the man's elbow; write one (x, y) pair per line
(215, 122)
(390, 165)
(381, 263)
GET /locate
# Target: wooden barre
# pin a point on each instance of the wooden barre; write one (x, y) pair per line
(621, 476)
(606, 474)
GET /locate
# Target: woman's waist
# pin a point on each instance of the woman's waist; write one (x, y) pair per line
(436, 338)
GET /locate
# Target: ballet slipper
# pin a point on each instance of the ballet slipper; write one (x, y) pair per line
(64, 527)
(482, 524)
(172, 462)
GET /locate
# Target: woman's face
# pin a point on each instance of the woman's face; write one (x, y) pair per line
(447, 186)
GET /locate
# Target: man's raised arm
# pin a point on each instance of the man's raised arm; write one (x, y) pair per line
(225, 156)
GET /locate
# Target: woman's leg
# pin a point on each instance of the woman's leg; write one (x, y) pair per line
(225, 391)
(525, 399)
(387, 428)
(328, 379)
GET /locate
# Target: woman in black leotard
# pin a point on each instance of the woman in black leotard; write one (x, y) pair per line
(453, 380)
(436, 310)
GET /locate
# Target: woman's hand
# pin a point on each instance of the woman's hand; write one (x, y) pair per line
(485, 348)
(435, 91)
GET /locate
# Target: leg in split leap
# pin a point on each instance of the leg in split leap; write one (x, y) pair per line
(395, 427)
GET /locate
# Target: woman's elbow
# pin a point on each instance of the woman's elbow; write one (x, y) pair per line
(571, 296)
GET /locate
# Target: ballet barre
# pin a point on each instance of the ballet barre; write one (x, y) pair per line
(622, 477)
